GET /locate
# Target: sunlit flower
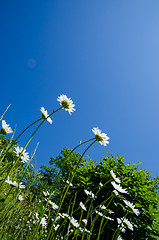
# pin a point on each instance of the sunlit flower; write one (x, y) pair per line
(71, 185)
(115, 193)
(20, 198)
(43, 222)
(54, 206)
(45, 115)
(83, 206)
(114, 177)
(128, 224)
(25, 155)
(132, 207)
(118, 188)
(121, 225)
(119, 238)
(74, 222)
(46, 193)
(99, 213)
(103, 207)
(89, 193)
(85, 221)
(5, 128)
(100, 184)
(101, 137)
(66, 103)
(15, 184)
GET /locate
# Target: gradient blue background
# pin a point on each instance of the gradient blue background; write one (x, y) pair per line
(103, 54)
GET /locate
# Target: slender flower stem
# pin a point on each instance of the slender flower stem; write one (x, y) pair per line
(53, 187)
(29, 142)
(117, 232)
(68, 188)
(101, 223)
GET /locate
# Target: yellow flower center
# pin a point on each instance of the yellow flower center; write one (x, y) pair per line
(3, 131)
(65, 104)
(98, 138)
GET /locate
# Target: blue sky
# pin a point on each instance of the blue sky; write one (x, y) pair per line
(103, 54)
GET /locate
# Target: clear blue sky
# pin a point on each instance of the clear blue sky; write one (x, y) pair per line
(103, 54)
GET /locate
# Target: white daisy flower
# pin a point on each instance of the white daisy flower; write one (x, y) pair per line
(66, 103)
(85, 221)
(25, 155)
(71, 185)
(132, 207)
(121, 225)
(15, 184)
(64, 215)
(100, 184)
(99, 213)
(103, 207)
(8, 181)
(111, 219)
(118, 188)
(89, 193)
(101, 137)
(119, 238)
(83, 206)
(87, 231)
(43, 222)
(128, 224)
(54, 206)
(74, 222)
(45, 115)
(115, 193)
(114, 177)
(20, 198)
(5, 128)
(46, 193)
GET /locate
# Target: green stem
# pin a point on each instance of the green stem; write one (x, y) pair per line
(68, 188)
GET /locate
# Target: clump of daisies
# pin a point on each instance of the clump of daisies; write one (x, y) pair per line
(66, 103)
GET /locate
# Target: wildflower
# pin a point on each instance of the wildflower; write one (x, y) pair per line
(25, 155)
(118, 188)
(132, 207)
(111, 219)
(100, 184)
(15, 184)
(5, 128)
(74, 222)
(66, 103)
(45, 115)
(85, 221)
(114, 177)
(89, 193)
(20, 198)
(71, 185)
(115, 193)
(87, 231)
(83, 206)
(128, 224)
(54, 206)
(99, 213)
(46, 193)
(121, 225)
(103, 207)
(101, 137)
(64, 215)
(119, 238)
(43, 222)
